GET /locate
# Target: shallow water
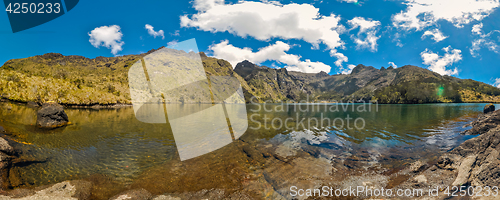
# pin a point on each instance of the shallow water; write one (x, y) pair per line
(113, 142)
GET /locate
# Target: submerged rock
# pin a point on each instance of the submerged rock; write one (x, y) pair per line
(71, 190)
(32, 104)
(489, 108)
(51, 115)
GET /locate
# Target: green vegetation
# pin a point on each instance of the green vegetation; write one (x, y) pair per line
(76, 80)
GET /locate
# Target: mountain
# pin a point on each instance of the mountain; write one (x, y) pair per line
(76, 80)
(408, 84)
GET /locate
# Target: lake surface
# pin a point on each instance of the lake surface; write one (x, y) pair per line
(113, 142)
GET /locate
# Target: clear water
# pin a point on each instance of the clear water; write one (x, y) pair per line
(112, 142)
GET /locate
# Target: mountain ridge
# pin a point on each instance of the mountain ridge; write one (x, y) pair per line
(76, 80)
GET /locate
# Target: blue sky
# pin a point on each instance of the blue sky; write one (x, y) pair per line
(454, 37)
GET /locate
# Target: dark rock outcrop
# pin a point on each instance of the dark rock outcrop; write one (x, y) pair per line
(484, 123)
(51, 115)
(489, 108)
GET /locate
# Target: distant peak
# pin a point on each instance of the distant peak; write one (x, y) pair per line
(360, 68)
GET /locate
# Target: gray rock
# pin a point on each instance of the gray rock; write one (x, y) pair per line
(2, 130)
(136, 194)
(51, 115)
(166, 197)
(417, 166)
(5, 147)
(464, 170)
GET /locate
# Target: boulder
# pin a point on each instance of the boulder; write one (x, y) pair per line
(136, 194)
(2, 130)
(489, 108)
(51, 115)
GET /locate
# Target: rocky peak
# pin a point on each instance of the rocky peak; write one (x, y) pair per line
(322, 74)
(359, 68)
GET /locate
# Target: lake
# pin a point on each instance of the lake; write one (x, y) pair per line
(114, 144)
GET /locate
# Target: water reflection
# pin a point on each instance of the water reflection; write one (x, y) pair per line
(114, 142)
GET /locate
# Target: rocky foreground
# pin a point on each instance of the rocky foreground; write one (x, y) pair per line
(475, 163)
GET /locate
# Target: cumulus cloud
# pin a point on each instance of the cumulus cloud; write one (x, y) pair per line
(438, 63)
(273, 52)
(267, 20)
(497, 83)
(341, 58)
(476, 29)
(482, 40)
(107, 36)
(366, 37)
(348, 69)
(154, 33)
(393, 65)
(423, 13)
(436, 35)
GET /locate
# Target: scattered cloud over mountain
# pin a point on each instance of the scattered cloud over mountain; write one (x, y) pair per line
(366, 37)
(267, 20)
(438, 63)
(348, 69)
(436, 35)
(392, 64)
(154, 33)
(497, 83)
(273, 52)
(425, 13)
(107, 36)
(482, 40)
(341, 58)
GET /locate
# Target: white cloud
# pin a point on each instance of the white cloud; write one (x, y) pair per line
(267, 20)
(497, 83)
(341, 58)
(424, 13)
(436, 34)
(482, 40)
(107, 36)
(476, 29)
(273, 52)
(348, 69)
(393, 65)
(154, 33)
(172, 43)
(438, 63)
(368, 29)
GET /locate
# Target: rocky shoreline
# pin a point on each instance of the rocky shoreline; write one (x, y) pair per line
(475, 163)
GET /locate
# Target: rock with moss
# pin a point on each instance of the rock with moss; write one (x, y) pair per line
(489, 108)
